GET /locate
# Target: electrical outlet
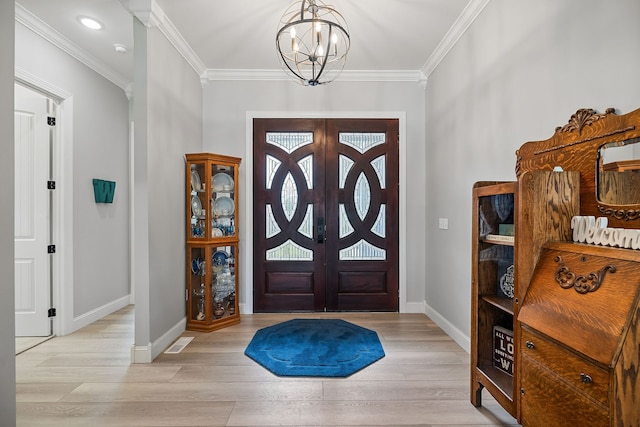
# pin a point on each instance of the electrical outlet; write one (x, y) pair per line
(443, 223)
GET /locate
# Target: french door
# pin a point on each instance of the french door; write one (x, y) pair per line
(325, 215)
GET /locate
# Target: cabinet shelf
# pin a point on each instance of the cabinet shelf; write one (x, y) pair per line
(498, 242)
(503, 303)
(501, 381)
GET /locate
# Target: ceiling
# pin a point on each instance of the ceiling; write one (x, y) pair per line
(239, 36)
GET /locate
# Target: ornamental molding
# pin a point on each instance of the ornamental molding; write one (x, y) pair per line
(621, 214)
(583, 117)
(582, 283)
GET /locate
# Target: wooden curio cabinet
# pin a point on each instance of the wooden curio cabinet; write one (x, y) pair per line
(212, 241)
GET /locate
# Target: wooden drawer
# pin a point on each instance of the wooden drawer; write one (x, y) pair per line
(579, 373)
(547, 401)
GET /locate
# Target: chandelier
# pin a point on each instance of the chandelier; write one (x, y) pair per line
(312, 42)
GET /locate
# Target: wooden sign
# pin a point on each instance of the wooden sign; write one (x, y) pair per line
(503, 349)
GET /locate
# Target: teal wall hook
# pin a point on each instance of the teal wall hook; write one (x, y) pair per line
(103, 191)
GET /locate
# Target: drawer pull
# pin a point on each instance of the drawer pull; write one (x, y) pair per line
(586, 379)
(530, 345)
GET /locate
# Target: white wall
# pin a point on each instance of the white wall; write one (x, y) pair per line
(99, 142)
(225, 113)
(168, 117)
(7, 321)
(519, 71)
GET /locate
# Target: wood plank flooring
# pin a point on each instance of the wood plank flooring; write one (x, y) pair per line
(86, 379)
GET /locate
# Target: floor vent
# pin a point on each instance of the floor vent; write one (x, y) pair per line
(179, 345)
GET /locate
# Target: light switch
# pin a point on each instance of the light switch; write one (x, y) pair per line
(443, 223)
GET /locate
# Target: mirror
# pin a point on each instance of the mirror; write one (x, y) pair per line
(618, 173)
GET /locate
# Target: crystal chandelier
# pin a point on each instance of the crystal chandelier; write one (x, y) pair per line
(312, 42)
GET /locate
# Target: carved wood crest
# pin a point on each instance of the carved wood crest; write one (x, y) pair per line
(583, 117)
(581, 283)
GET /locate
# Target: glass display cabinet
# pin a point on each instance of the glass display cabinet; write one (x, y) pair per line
(212, 241)
(493, 292)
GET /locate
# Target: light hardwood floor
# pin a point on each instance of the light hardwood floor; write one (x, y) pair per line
(85, 379)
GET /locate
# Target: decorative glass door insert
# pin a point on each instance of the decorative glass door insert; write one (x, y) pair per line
(321, 217)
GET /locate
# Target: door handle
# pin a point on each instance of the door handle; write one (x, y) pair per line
(321, 230)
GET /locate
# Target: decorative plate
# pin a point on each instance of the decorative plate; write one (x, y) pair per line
(219, 258)
(196, 185)
(197, 266)
(223, 206)
(221, 182)
(216, 232)
(196, 206)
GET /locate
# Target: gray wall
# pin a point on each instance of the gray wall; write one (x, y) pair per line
(100, 150)
(175, 94)
(519, 71)
(168, 115)
(225, 113)
(7, 320)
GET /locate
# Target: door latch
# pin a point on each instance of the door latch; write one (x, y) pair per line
(322, 230)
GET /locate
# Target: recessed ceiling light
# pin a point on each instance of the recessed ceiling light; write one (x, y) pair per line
(90, 23)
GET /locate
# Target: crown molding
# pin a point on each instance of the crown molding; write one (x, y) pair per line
(147, 11)
(175, 38)
(152, 15)
(346, 76)
(464, 21)
(35, 24)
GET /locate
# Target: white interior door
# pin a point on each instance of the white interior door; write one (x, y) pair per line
(32, 279)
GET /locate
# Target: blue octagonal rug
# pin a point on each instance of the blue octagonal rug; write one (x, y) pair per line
(315, 348)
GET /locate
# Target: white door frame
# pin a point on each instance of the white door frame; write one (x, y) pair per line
(62, 212)
(247, 187)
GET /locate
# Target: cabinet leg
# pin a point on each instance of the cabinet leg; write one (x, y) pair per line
(476, 394)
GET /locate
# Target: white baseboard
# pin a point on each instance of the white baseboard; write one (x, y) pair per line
(414, 307)
(456, 334)
(146, 353)
(162, 343)
(98, 313)
(141, 353)
(244, 309)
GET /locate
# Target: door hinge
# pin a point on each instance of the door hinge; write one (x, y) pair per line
(51, 312)
(51, 185)
(51, 121)
(51, 249)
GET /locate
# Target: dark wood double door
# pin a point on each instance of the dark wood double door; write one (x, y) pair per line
(325, 215)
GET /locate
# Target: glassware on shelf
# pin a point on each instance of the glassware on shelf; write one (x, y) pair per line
(200, 294)
(222, 226)
(232, 303)
(218, 311)
(224, 284)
